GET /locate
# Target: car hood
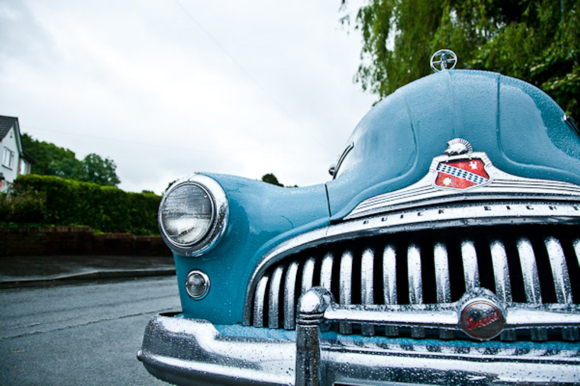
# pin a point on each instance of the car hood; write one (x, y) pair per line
(517, 125)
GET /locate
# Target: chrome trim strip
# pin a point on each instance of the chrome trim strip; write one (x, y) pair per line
(531, 281)
(415, 283)
(289, 295)
(326, 271)
(345, 287)
(446, 315)
(502, 186)
(273, 298)
(498, 213)
(307, 274)
(259, 303)
(367, 287)
(390, 283)
(470, 269)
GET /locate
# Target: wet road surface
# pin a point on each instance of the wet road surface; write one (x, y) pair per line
(85, 334)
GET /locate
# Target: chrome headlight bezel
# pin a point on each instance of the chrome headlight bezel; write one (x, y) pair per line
(219, 217)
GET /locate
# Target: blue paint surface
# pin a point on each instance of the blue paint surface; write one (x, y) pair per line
(517, 125)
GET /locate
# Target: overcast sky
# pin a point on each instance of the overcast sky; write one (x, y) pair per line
(169, 87)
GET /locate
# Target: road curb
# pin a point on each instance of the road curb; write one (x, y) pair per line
(87, 276)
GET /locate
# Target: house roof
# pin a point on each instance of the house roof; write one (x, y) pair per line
(6, 123)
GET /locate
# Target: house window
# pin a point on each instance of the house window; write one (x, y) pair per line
(8, 159)
(24, 167)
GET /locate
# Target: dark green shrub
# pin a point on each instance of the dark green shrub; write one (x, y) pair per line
(103, 208)
(5, 207)
(22, 206)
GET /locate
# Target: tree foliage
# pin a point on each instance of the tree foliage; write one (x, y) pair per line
(271, 179)
(100, 171)
(52, 160)
(534, 40)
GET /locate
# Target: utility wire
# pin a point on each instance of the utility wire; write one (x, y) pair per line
(236, 62)
(27, 128)
(132, 142)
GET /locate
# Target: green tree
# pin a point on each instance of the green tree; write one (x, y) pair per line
(52, 160)
(534, 40)
(169, 186)
(271, 179)
(100, 171)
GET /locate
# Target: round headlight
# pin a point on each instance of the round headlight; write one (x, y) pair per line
(187, 214)
(192, 215)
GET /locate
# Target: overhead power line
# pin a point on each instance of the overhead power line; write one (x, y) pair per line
(25, 128)
(236, 62)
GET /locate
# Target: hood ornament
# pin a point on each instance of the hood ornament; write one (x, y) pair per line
(459, 146)
(442, 59)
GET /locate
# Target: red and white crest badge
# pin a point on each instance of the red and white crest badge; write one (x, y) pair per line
(461, 170)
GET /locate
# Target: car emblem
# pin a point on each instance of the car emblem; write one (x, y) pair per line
(461, 170)
(481, 315)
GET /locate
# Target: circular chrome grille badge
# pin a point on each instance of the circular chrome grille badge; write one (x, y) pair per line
(480, 315)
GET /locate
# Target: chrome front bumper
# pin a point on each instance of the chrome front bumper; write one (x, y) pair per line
(186, 351)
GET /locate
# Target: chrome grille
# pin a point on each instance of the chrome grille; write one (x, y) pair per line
(535, 264)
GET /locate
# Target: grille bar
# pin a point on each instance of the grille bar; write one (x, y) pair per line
(326, 271)
(274, 297)
(470, 270)
(421, 269)
(559, 271)
(561, 281)
(308, 274)
(442, 281)
(415, 283)
(367, 287)
(503, 288)
(345, 287)
(390, 282)
(259, 303)
(531, 281)
(290, 296)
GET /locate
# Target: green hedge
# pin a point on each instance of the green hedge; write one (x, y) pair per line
(58, 201)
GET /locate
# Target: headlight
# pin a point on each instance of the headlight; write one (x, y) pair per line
(193, 215)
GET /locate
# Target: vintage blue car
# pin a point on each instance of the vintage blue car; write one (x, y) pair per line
(445, 250)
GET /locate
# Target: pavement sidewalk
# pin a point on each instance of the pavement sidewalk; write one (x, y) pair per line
(18, 271)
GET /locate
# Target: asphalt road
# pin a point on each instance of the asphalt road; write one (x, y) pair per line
(84, 334)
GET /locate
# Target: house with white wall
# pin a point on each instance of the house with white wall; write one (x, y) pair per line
(13, 161)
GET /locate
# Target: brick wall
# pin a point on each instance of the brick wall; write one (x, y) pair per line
(66, 240)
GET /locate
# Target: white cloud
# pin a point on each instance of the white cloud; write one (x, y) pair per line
(238, 88)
